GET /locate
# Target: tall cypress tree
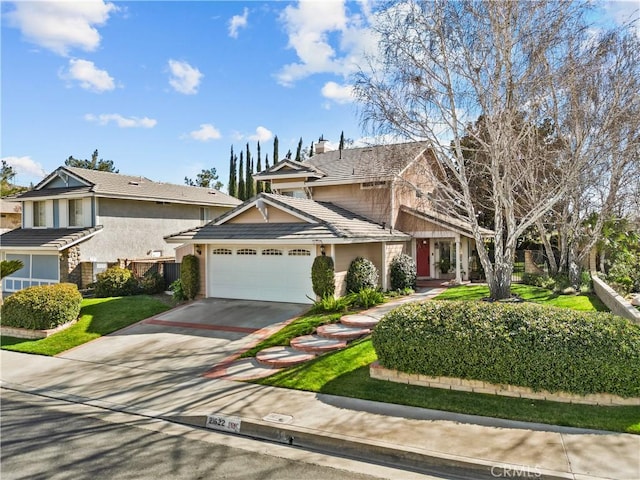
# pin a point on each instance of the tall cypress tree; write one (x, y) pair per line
(341, 146)
(233, 182)
(259, 186)
(242, 195)
(275, 150)
(248, 179)
(267, 185)
(311, 150)
(299, 151)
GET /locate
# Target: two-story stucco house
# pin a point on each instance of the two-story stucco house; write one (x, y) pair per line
(345, 203)
(77, 221)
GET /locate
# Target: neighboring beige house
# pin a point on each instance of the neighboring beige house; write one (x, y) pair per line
(345, 203)
(78, 221)
(10, 215)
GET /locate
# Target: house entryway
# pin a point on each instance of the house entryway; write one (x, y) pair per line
(423, 257)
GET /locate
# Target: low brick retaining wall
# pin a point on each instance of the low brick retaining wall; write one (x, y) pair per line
(616, 303)
(478, 386)
(30, 333)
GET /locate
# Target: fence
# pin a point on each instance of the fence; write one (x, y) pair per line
(170, 271)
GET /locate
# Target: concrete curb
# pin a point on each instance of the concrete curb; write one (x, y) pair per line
(356, 448)
(374, 451)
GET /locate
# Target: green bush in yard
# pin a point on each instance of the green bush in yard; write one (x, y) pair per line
(323, 279)
(529, 345)
(403, 272)
(152, 282)
(362, 273)
(367, 297)
(115, 282)
(190, 276)
(42, 307)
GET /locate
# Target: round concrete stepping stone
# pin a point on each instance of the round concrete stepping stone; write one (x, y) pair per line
(341, 332)
(242, 370)
(359, 320)
(281, 357)
(317, 344)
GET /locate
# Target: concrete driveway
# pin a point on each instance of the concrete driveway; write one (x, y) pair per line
(190, 339)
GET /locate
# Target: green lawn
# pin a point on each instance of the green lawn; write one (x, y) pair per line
(582, 301)
(98, 317)
(346, 373)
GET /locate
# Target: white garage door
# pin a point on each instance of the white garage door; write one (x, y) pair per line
(277, 274)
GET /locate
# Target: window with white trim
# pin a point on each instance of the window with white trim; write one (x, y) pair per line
(75, 212)
(271, 251)
(299, 252)
(39, 214)
(222, 251)
(247, 251)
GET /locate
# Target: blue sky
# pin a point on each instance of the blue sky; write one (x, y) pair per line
(165, 88)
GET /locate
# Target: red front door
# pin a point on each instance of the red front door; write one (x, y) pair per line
(423, 257)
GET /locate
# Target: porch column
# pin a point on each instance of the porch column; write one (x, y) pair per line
(384, 269)
(458, 260)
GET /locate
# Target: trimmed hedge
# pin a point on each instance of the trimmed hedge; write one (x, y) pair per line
(43, 307)
(362, 274)
(115, 282)
(528, 345)
(190, 276)
(323, 278)
(403, 272)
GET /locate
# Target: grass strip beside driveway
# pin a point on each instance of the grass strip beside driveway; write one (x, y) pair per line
(98, 317)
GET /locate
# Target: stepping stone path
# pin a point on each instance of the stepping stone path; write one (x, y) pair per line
(327, 338)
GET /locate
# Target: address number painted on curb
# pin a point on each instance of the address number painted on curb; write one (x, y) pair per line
(223, 422)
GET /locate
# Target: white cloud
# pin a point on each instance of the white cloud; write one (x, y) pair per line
(205, 133)
(88, 75)
(326, 36)
(237, 22)
(61, 25)
(338, 93)
(25, 166)
(120, 121)
(184, 78)
(262, 135)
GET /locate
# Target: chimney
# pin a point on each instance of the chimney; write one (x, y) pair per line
(321, 146)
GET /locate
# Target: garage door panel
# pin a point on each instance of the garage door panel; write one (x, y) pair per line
(263, 276)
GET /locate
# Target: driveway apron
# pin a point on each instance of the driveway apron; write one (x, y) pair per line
(190, 338)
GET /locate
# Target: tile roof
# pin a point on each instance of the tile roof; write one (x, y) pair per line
(352, 165)
(325, 221)
(107, 184)
(446, 221)
(46, 238)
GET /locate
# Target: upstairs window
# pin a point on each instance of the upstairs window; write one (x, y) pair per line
(75, 213)
(39, 215)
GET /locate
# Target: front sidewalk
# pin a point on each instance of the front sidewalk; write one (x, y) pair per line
(405, 436)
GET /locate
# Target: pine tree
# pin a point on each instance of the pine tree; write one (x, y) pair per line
(275, 150)
(259, 186)
(288, 155)
(242, 195)
(233, 182)
(299, 151)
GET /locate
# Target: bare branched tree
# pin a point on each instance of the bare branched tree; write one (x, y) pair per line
(516, 66)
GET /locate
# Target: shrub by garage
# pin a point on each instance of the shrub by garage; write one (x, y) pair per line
(535, 346)
(362, 274)
(42, 307)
